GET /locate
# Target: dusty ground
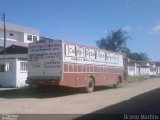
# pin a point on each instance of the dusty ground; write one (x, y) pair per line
(71, 101)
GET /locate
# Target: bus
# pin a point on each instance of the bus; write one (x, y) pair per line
(63, 63)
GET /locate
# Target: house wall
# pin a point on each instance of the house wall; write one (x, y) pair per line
(144, 71)
(12, 35)
(137, 71)
(8, 78)
(158, 70)
(153, 71)
(15, 34)
(14, 76)
(131, 70)
(21, 73)
(28, 41)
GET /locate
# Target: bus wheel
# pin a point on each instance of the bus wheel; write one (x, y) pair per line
(118, 84)
(90, 85)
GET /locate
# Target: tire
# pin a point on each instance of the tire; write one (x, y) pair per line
(118, 84)
(90, 85)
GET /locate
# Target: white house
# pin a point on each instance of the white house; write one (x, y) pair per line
(17, 35)
(142, 68)
(13, 68)
(13, 72)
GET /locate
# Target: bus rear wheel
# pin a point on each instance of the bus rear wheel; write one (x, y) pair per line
(119, 83)
(90, 85)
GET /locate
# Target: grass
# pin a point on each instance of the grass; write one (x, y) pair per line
(138, 78)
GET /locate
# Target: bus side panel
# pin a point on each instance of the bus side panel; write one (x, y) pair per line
(69, 79)
(76, 75)
(74, 80)
(80, 79)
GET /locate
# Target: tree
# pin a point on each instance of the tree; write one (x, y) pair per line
(115, 40)
(125, 50)
(144, 56)
(135, 56)
(138, 56)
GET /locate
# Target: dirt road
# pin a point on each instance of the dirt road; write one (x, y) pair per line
(72, 101)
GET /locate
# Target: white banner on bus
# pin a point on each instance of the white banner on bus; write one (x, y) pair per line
(84, 55)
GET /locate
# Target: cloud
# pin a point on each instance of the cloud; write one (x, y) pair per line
(127, 29)
(155, 29)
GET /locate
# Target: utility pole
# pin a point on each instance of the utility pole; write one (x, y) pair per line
(4, 30)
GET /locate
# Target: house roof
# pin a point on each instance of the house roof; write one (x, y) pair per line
(15, 49)
(157, 64)
(138, 63)
(143, 63)
(131, 63)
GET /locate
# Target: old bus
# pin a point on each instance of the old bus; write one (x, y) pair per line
(58, 62)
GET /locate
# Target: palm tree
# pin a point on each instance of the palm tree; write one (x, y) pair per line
(115, 41)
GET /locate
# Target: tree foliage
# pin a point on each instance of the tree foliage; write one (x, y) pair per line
(138, 56)
(114, 41)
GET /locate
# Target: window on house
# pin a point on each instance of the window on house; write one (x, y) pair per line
(11, 34)
(34, 38)
(29, 37)
(2, 68)
(23, 66)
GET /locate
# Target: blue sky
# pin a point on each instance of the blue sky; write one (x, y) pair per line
(85, 21)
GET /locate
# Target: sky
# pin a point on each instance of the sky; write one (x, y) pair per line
(86, 21)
